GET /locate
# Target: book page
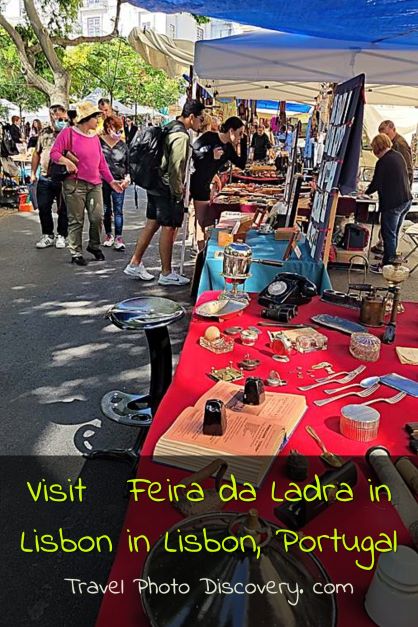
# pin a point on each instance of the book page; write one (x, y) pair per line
(245, 435)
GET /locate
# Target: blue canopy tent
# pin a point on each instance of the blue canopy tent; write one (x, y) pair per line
(291, 107)
(366, 20)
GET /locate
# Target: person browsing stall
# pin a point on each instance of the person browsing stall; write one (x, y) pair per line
(399, 144)
(48, 190)
(260, 143)
(391, 182)
(78, 148)
(15, 131)
(165, 207)
(130, 130)
(117, 157)
(211, 152)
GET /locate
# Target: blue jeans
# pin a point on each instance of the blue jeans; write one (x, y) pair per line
(112, 200)
(391, 222)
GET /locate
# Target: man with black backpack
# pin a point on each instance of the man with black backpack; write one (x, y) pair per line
(158, 162)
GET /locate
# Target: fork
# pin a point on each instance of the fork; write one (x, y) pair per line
(392, 401)
(334, 375)
(349, 377)
(362, 394)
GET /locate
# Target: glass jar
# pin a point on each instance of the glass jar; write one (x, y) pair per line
(365, 346)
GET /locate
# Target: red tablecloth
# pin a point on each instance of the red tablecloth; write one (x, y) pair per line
(191, 381)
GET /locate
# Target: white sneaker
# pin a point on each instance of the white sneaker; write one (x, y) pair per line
(173, 279)
(60, 241)
(120, 244)
(138, 272)
(45, 241)
(108, 241)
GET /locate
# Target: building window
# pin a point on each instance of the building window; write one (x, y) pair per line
(200, 34)
(94, 26)
(171, 31)
(91, 3)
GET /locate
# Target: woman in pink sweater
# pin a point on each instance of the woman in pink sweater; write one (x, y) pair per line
(79, 149)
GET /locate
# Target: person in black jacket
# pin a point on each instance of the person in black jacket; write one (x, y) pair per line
(211, 151)
(130, 130)
(261, 144)
(392, 184)
(15, 131)
(116, 154)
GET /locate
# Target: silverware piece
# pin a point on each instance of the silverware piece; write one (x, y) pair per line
(392, 401)
(362, 394)
(364, 383)
(337, 374)
(329, 458)
(349, 377)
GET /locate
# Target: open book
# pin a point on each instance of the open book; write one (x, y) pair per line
(254, 434)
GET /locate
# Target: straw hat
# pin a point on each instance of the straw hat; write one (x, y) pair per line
(85, 110)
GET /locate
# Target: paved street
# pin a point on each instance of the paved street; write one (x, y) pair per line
(59, 353)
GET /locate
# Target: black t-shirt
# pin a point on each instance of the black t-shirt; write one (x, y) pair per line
(261, 144)
(391, 181)
(206, 166)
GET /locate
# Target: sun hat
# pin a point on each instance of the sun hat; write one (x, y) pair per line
(85, 110)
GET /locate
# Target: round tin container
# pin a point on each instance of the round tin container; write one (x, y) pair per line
(359, 422)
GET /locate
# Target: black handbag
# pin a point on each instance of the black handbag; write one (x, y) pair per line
(56, 171)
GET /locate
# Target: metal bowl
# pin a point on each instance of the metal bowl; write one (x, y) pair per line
(145, 313)
(200, 609)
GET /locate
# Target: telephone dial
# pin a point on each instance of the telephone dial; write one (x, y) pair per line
(288, 288)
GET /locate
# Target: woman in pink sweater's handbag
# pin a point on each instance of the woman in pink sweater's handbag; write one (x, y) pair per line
(78, 149)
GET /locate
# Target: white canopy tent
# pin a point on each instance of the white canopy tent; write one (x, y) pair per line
(281, 66)
(174, 56)
(405, 119)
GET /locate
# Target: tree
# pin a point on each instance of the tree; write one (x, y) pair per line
(117, 69)
(13, 86)
(41, 41)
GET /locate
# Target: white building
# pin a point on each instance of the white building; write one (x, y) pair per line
(96, 18)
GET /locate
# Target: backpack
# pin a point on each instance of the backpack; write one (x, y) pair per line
(8, 146)
(146, 154)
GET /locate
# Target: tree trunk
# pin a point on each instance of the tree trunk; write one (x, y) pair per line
(58, 93)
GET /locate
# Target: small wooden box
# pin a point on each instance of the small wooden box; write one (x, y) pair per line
(286, 233)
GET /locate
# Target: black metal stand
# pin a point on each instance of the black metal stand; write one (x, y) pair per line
(138, 410)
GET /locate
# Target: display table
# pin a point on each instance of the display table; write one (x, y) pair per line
(264, 247)
(269, 180)
(191, 381)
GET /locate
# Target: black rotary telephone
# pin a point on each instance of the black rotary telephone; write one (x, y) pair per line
(288, 288)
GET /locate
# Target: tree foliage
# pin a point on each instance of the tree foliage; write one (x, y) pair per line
(117, 69)
(200, 19)
(13, 85)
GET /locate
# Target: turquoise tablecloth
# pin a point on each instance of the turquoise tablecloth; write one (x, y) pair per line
(264, 247)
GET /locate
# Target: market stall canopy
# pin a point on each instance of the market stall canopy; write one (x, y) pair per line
(174, 56)
(291, 67)
(405, 118)
(370, 21)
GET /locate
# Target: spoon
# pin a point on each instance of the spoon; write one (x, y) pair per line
(329, 458)
(368, 382)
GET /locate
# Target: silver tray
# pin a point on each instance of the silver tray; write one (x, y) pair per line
(231, 308)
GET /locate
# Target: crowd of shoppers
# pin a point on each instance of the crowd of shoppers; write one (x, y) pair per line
(91, 143)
